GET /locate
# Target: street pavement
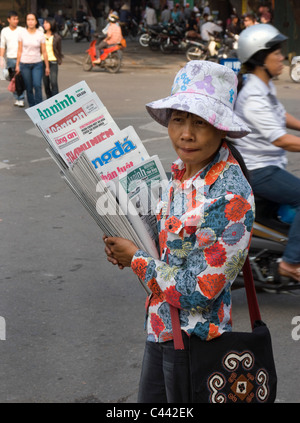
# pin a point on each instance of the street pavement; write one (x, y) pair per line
(74, 323)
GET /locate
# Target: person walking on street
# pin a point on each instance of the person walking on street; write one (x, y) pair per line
(29, 61)
(150, 15)
(204, 218)
(53, 48)
(9, 45)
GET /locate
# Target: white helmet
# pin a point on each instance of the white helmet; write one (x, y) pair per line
(113, 17)
(256, 38)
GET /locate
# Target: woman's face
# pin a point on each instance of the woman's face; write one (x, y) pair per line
(194, 139)
(47, 26)
(31, 21)
(274, 62)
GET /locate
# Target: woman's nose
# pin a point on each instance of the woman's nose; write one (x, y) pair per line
(187, 132)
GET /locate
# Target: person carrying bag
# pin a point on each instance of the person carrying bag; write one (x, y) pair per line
(204, 220)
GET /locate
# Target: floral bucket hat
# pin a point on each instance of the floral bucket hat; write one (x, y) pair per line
(205, 89)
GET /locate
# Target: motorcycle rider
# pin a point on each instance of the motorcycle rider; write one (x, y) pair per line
(264, 149)
(82, 19)
(208, 28)
(113, 36)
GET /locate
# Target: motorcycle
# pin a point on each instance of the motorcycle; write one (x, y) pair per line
(80, 31)
(196, 50)
(215, 50)
(111, 57)
(151, 36)
(172, 38)
(130, 28)
(66, 28)
(270, 235)
(295, 69)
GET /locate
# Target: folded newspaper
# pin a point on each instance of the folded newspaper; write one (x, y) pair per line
(108, 169)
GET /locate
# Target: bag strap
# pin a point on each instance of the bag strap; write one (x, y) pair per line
(251, 300)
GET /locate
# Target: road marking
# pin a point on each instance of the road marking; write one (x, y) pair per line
(34, 132)
(42, 159)
(155, 139)
(155, 127)
(6, 165)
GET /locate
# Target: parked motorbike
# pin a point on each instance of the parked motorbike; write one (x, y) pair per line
(111, 57)
(216, 49)
(80, 31)
(172, 38)
(295, 69)
(270, 235)
(66, 28)
(151, 36)
(130, 28)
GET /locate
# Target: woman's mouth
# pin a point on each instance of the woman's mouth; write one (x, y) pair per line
(188, 150)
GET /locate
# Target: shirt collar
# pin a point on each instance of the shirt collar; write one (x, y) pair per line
(261, 86)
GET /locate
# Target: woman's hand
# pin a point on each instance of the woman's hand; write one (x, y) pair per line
(119, 251)
(17, 68)
(47, 71)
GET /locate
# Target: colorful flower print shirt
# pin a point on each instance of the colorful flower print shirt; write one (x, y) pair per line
(205, 225)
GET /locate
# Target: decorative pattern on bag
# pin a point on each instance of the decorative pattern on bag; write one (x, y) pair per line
(244, 384)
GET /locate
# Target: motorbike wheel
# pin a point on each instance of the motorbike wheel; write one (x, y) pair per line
(144, 40)
(87, 63)
(166, 47)
(195, 53)
(295, 72)
(113, 62)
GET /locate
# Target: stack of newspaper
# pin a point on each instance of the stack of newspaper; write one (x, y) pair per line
(107, 168)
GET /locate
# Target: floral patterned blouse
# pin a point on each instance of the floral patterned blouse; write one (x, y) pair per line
(205, 225)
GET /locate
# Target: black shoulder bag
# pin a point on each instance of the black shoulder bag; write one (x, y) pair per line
(236, 367)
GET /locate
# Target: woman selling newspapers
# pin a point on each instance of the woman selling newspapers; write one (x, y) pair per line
(204, 219)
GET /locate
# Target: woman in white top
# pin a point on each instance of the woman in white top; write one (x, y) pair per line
(264, 149)
(29, 62)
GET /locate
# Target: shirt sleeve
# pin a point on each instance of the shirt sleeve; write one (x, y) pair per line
(267, 119)
(201, 264)
(2, 40)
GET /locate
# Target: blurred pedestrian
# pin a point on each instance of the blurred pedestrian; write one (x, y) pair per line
(9, 45)
(53, 48)
(150, 15)
(234, 26)
(29, 62)
(249, 19)
(165, 15)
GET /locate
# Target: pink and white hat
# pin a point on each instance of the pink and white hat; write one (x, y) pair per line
(205, 89)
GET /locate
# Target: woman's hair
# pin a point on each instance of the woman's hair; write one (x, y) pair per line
(53, 25)
(36, 18)
(238, 157)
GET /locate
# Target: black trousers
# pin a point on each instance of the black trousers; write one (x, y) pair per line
(165, 376)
